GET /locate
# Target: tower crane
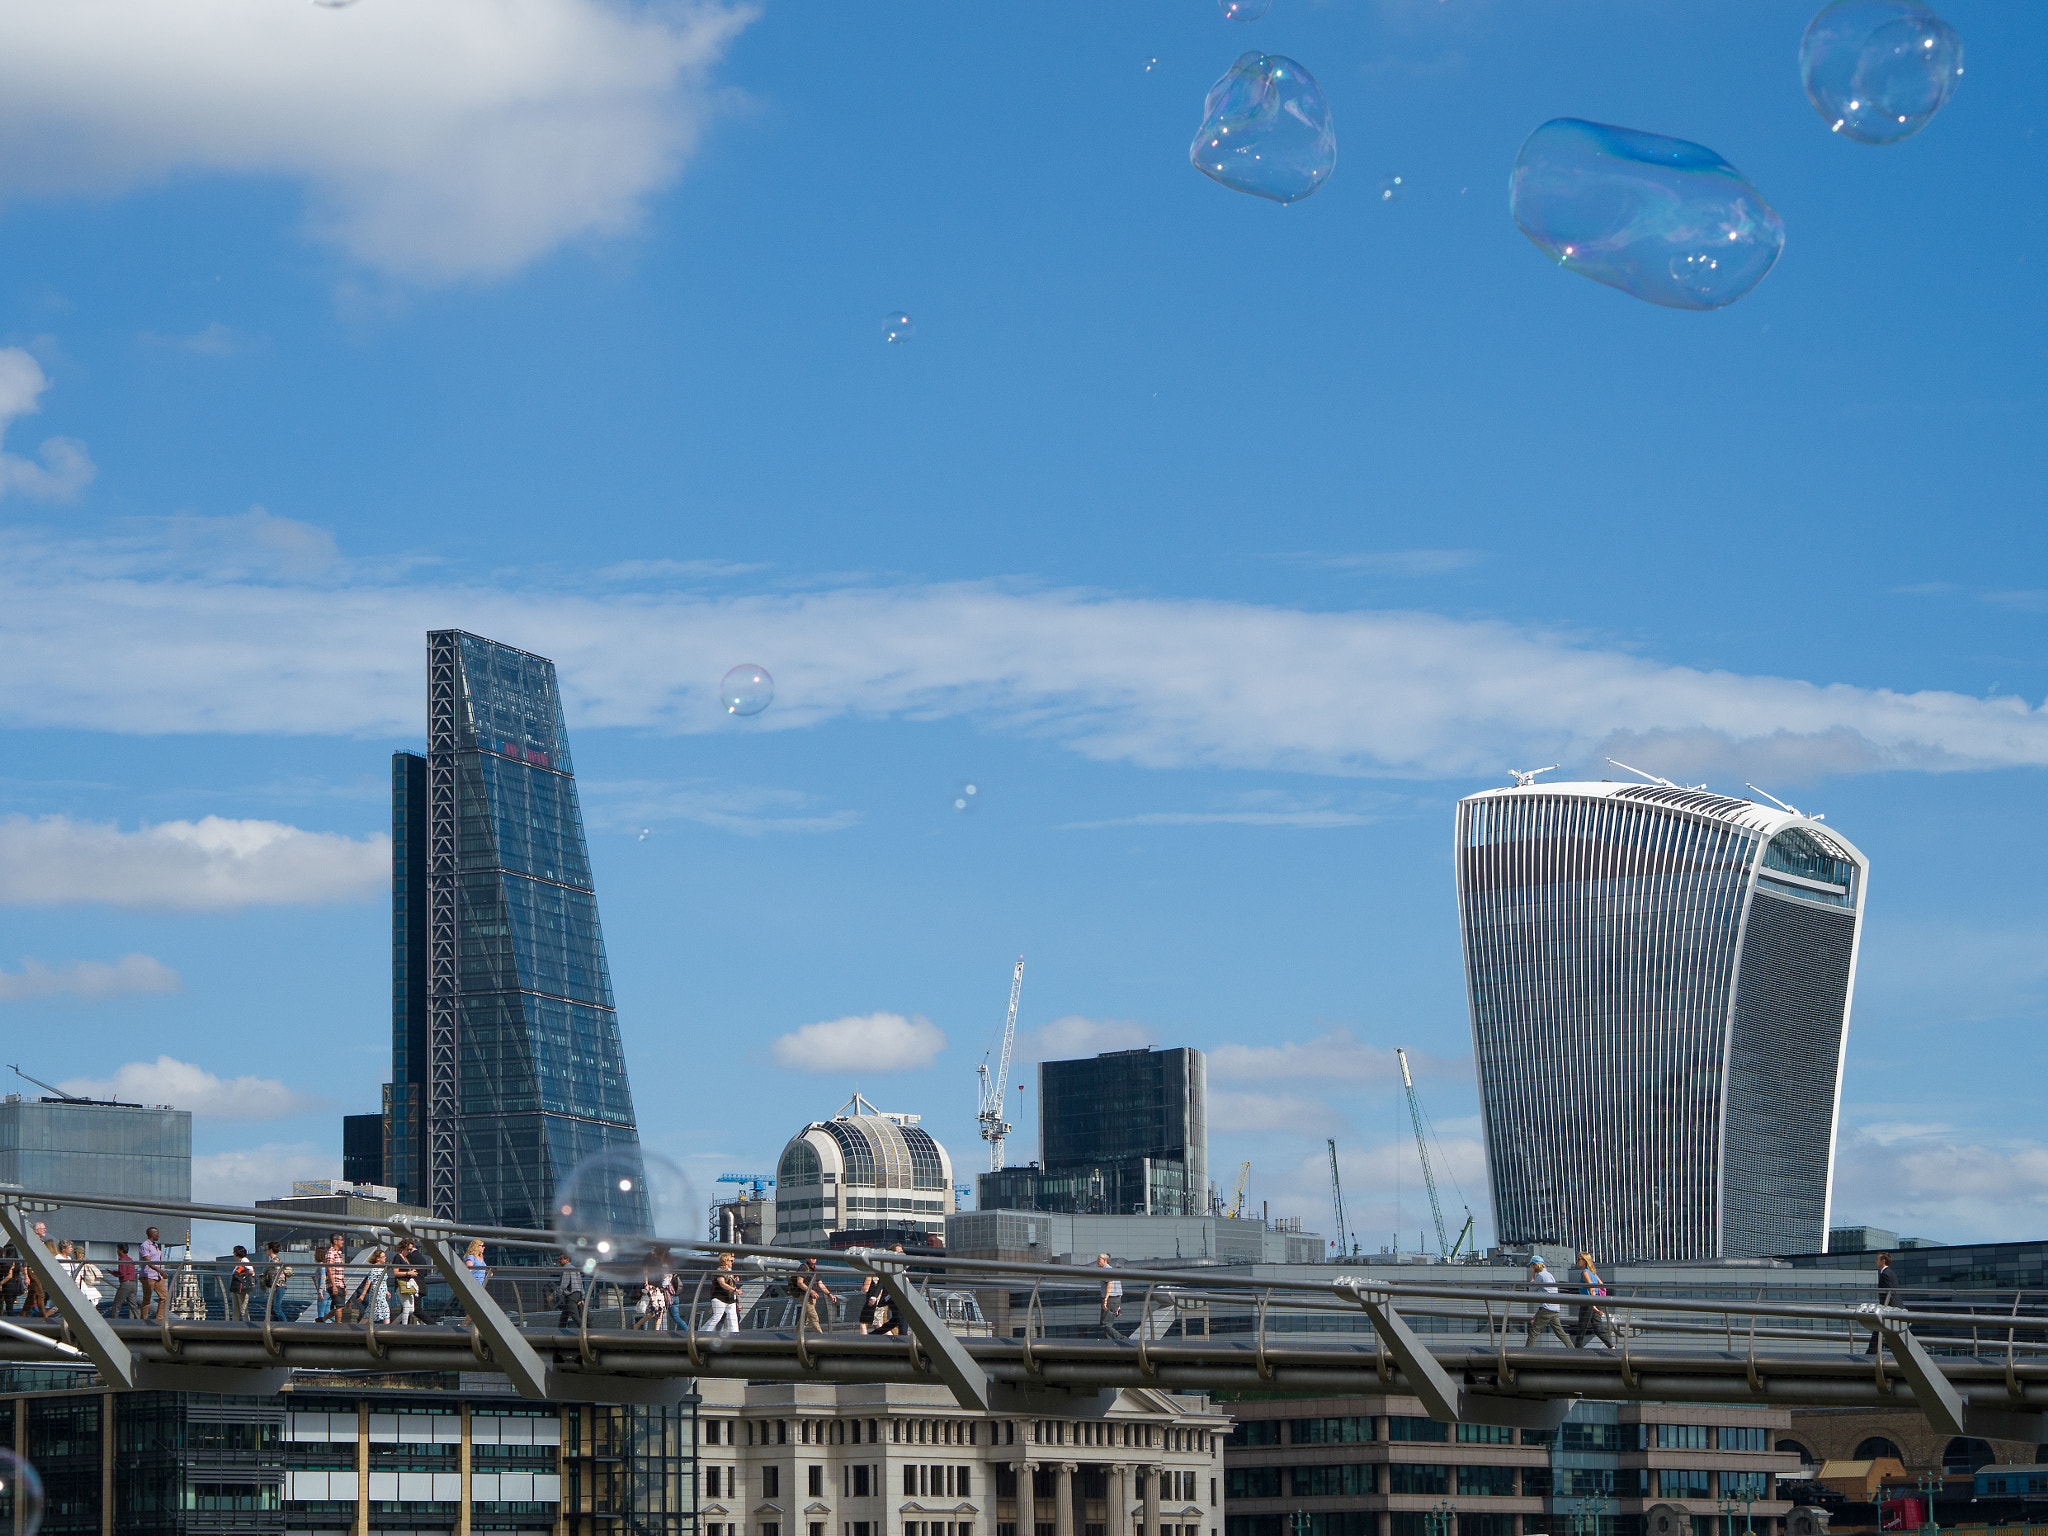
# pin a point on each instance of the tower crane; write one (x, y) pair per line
(1444, 1245)
(1337, 1199)
(993, 1089)
(1244, 1171)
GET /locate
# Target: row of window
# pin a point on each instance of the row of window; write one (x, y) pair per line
(1570, 1437)
(1350, 1478)
(922, 1431)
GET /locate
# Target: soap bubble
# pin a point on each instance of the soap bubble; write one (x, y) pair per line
(612, 1206)
(746, 690)
(1150, 65)
(21, 1495)
(1667, 221)
(1392, 187)
(333, 5)
(1244, 10)
(1266, 130)
(1877, 70)
(898, 328)
(966, 797)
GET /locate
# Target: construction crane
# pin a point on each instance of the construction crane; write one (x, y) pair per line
(760, 1183)
(1337, 1198)
(1444, 1245)
(1244, 1171)
(994, 1089)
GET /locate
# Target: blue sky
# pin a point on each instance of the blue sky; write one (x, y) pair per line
(1223, 545)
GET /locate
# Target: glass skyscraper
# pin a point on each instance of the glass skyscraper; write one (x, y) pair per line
(506, 1068)
(1659, 982)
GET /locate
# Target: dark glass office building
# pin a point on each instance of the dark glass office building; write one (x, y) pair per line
(1123, 1132)
(1659, 981)
(506, 1068)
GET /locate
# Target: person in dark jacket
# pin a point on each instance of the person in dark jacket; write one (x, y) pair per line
(1887, 1296)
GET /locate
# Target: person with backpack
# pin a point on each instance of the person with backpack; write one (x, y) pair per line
(241, 1285)
(275, 1273)
(1592, 1320)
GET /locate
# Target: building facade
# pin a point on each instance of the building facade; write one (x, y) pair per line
(83, 1147)
(1378, 1466)
(863, 1168)
(506, 1064)
(1659, 982)
(1120, 1133)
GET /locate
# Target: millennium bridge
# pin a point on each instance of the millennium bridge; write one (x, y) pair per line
(1976, 1366)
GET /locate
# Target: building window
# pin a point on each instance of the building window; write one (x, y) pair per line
(1485, 1434)
(1733, 1437)
(1345, 1478)
(1253, 1482)
(771, 1486)
(1407, 1427)
(1347, 1431)
(1600, 1437)
(817, 1482)
(1745, 1485)
(1682, 1483)
(1417, 1477)
(1683, 1437)
(1486, 1482)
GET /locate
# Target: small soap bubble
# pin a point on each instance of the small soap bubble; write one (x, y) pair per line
(21, 1495)
(614, 1204)
(334, 5)
(898, 328)
(1392, 187)
(966, 797)
(1244, 10)
(645, 833)
(1266, 130)
(746, 690)
(1667, 221)
(1877, 70)
(1151, 65)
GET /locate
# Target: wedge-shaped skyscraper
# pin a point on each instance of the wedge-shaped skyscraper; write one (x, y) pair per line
(506, 1065)
(1659, 982)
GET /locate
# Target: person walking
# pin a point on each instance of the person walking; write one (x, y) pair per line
(870, 1298)
(241, 1285)
(87, 1276)
(372, 1300)
(725, 1298)
(1887, 1296)
(568, 1293)
(473, 1256)
(808, 1285)
(1112, 1301)
(1592, 1321)
(405, 1282)
(124, 1283)
(1548, 1316)
(13, 1282)
(154, 1292)
(334, 1279)
(275, 1273)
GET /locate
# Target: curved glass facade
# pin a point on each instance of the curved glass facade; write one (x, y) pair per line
(1659, 987)
(864, 1169)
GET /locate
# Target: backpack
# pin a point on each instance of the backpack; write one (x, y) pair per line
(238, 1282)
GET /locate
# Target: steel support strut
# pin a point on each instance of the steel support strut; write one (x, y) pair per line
(1933, 1393)
(1446, 1400)
(93, 1333)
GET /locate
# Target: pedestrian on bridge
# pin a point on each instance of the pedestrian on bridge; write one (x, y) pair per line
(1112, 1301)
(1592, 1320)
(1887, 1296)
(725, 1298)
(1548, 1316)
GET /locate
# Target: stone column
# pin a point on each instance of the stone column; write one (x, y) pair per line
(1119, 1498)
(1027, 1500)
(1063, 1499)
(1152, 1475)
(362, 1521)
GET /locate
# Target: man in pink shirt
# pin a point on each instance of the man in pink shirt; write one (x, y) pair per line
(334, 1277)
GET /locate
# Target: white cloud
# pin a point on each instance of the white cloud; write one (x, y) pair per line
(184, 1086)
(249, 1174)
(253, 543)
(1383, 1191)
(89, 979)
(65, 469)
(865, 1042)
(93, 638)
(1334, 1057)
(1394, 562)
(1073, 1036)
(1929, 1181)
(460, 138)
(752, 810)
(184, 866)
(1296, 1114)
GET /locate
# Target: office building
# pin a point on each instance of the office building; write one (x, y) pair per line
(864, 1168)
(92, 1147)
(307, 1215)
(1123, 1132)
(1057, 1236)
(506, 1068)
(1378, 1466)
(1659, 982)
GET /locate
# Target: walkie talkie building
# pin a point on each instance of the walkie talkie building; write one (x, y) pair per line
(1659, 982)
(506, 1064)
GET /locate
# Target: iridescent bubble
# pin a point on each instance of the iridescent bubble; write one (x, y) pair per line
(1244, 10)
(966, 797)
(1667, 221)
(333, 5)
(898, 328)
(1877, 70)
(1392, 187)
(1266, 130)
(21, 1495)
(746, 690)
(614, 1204)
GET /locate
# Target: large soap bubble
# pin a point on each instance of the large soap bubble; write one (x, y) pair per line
(746, 690)
(612, 1206)
(1244, 10)
(21, 1495)
(1667, 221)
(1877, 70)
(1266, 130)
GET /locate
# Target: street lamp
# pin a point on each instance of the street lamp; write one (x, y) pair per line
(1930, 1484)
(1730, 1502)
(1586, 1516)
(1440, 1521)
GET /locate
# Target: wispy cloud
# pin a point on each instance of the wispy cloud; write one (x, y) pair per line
(184, 1086)
(249, 1174)
(453, 140)
(1337, 1056)
(184, 866)
(1295, 1114)
(87, 640)
(1076, 1035)
(752, 810)
(867, 1042)
(65, 469)
(215, 340)
(90, 980)
(1935, 1182)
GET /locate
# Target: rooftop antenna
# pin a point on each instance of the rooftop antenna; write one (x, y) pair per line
(68, 1098)
(1524, 777)
(1781, 805)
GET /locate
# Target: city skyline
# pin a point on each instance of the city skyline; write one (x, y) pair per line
(1222, 546)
